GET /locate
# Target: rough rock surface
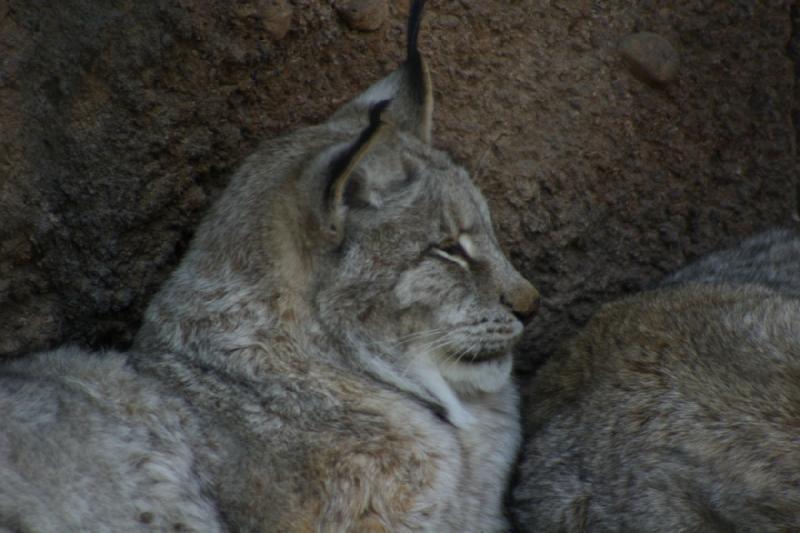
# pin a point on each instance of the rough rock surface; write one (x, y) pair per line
(121, 121)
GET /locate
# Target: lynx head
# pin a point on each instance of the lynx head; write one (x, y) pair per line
(359, 233)
(412, 268)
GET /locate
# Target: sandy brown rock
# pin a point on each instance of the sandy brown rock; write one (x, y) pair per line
(122, 121)
(651, 57)
(364, 15)
(275, 15)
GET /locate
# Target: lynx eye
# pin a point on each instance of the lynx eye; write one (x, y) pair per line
(454, 251)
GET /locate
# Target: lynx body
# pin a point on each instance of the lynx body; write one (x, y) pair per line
(332, 354)
(677, 409)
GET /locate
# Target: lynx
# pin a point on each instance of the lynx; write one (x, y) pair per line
(677, 409)
(332, 354)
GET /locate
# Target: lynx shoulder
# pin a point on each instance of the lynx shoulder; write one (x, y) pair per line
(332, 354)
(676, 409)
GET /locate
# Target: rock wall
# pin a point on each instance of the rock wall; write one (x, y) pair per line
(615, 140)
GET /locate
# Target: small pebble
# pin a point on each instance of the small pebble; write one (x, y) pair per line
(363, 15)
(276, 16)
(651, 57)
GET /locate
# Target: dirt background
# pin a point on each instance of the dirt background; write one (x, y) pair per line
(120, 121)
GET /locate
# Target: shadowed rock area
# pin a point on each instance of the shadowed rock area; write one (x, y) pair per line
(614, 142)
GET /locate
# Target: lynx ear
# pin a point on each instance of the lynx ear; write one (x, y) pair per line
(409, 87)
(340, 169)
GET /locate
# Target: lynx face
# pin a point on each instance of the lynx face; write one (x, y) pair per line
(412, 272)
(419, 274)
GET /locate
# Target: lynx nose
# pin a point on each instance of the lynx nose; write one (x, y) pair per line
(523, 300)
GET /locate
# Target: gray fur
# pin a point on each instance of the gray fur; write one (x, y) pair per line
(314, 363)
(676, 409)
(769, 259)
(87, 445)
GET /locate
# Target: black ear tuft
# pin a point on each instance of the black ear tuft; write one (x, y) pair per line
(342, 165)
(414, 21)
(414, 64)
(409, 89)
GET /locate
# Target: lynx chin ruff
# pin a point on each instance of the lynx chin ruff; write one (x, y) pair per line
(332, 354)
(677, 409)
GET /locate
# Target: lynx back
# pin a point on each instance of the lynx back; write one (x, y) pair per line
(676, 409)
